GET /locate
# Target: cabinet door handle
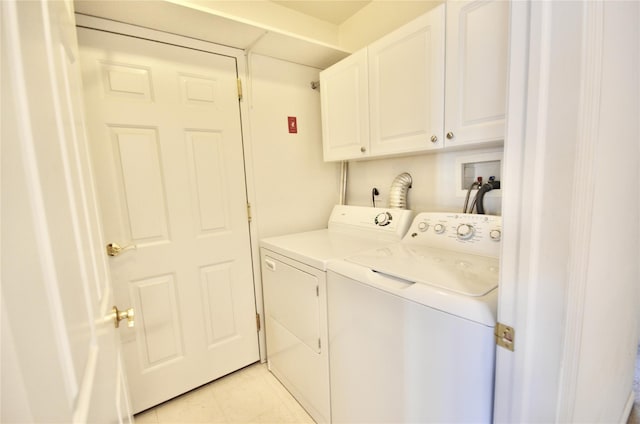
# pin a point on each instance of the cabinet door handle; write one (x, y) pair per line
(434, 138)
(450, 135)
(363, 149)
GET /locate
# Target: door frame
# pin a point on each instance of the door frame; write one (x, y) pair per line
(542, 297)
(101, 24)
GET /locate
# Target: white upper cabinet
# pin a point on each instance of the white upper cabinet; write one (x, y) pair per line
(391, 98)
(476, 71)
(406, 87)
(345, 108)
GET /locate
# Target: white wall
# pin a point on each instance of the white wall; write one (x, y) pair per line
(295, 189)
(434, 182)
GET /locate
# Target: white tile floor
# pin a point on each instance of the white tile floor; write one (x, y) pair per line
(250, 395)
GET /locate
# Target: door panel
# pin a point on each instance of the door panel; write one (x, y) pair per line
(476, 71)
(406, 87)
(165, 132)
(345, 108)
(302, 317)
(158, 315)
(208, 181)
(484, 93)
(139, 171)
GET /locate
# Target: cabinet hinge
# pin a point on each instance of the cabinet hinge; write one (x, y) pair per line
(319, 344)
(317, 291)
(249, 212)
(239, 89)
(504, 335)
(258, 326)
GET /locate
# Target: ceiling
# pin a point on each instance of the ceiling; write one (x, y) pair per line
(333, 11)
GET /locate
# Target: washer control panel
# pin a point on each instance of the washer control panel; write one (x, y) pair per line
(469, 233)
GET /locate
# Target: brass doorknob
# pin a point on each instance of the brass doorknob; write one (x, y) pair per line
(450, 135)
(118, 316)
(434, 138)
(114, 249)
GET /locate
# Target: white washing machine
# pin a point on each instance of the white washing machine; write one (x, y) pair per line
(411, 324)
(295, 295)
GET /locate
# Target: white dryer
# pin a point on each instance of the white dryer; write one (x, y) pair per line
(411, 324)
(295, 295)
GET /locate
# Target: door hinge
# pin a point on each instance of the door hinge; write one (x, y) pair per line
(505, 336)
(258, 326)
(239, 89)
(249, 212)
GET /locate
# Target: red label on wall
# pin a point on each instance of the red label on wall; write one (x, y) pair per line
(293, 124)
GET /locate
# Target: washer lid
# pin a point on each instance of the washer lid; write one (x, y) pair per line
(465, 274)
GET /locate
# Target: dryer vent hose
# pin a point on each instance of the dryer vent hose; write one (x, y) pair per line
(398, 193)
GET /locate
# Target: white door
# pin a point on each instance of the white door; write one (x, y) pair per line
(60, 359)
(476, 76)
(406, 87)
(166, 143)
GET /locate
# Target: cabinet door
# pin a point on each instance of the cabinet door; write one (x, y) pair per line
(345, 113)
(406, 87)
(477, 42)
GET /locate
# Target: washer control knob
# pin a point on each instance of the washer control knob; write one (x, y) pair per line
(383, 218)
(465, 231)
(423, 226)
(439, 228)
(495, 235)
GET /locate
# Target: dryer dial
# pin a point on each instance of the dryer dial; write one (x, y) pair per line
(439, 228)
(382, 219)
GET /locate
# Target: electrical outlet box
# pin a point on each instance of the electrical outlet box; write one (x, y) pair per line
(469, 168)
